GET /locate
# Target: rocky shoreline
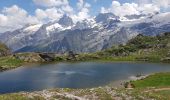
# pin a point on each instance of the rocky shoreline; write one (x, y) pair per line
(99, 93)
(6, 68)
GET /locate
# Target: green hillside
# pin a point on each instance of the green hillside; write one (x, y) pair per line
(4, 50)
(6, 59)
(140, 48)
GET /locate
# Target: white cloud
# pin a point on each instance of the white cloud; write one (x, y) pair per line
(121, 9)
(83, 11)
(41, 14)
(51, 3)
(67, 9)
(142, 2)
(80, 4)
(130, 8)
(3, 18)
(162, 3)
(149, 8)
(51, 14)
(55, 9)
(104, 10)
(14, 17)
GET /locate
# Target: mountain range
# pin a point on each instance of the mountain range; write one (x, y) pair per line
(89, 35)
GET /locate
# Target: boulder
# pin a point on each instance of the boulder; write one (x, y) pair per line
(71, 56)
(166, 59)
(129, 85)
(47, 57)
(28, 57)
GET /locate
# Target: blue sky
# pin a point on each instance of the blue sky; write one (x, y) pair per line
(30, 7)
(17, 13)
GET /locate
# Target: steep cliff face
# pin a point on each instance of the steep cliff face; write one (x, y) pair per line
(89, 35)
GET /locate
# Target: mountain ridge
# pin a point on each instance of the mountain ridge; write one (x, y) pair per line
(89, 35)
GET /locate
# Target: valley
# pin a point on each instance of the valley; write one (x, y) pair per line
(140, 49)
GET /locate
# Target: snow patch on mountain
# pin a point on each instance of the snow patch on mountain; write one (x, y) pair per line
(88, 35)
(32, 28)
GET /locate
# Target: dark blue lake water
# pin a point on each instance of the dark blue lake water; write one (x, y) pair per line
(72, 75)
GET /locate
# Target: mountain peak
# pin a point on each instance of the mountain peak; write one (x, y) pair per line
(88, 35)
(65, 21)
(103, 17)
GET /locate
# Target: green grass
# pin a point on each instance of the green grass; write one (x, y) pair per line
(126, 58)
(9, 63)
(13, 97)
(156, 80)
(165, 94)
(3, 47)
(19, 97)
(146, 94)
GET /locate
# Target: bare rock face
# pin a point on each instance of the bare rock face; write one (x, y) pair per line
(89, 35)
(65, 21)
(28, 57)
(35, 57)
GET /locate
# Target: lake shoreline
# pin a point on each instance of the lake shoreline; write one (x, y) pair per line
(6, 68)
(107, 92)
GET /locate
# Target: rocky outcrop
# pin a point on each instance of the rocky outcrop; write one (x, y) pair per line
(6, 67)
(129, 85)
(166, 59)
(35, 57)
(5, 53)
(47, 56)
(2, 69)
(71, 55)
(28, 57)
(4, 50)
(65, 21)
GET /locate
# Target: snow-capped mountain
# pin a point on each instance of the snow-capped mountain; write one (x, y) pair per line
(89, 35)
(65, 21)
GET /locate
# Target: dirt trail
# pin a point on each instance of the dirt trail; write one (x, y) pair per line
(160, 89)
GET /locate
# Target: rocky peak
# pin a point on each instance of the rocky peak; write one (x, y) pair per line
(65, 21)
(130, 17)
(104, 17)
(83, 25)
